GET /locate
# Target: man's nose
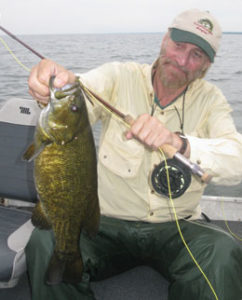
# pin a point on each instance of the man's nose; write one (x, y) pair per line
(182, 59)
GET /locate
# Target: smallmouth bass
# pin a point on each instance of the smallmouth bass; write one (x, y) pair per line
(65, 172)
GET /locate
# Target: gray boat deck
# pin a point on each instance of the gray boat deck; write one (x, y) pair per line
(141, 283)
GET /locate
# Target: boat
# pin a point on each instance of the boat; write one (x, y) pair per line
(18, 196)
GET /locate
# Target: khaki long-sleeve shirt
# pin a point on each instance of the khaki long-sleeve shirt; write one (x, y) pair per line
(124, 166)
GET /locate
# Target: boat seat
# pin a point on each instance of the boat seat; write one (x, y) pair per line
(15, 232)
(17, 123)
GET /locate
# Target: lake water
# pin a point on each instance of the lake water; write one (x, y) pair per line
(83, 52)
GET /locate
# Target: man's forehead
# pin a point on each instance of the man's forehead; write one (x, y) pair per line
(193, 46)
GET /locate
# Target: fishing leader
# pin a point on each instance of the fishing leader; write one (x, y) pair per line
(171, 104)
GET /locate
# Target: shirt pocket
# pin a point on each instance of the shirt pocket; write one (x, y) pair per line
(121, 156)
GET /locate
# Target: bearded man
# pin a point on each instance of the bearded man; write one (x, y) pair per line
(172, 104)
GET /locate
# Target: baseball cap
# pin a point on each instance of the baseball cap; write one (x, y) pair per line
(199, 28)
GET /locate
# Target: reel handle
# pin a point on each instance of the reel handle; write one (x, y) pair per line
(206, 178)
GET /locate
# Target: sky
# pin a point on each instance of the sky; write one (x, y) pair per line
(108, 16)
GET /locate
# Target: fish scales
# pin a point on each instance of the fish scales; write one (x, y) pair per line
(66, 180)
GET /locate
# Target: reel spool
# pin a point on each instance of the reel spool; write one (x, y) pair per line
(179, 177)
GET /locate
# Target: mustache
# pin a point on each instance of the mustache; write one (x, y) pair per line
(168, 61)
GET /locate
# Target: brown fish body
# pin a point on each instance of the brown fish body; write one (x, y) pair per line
(66, 182)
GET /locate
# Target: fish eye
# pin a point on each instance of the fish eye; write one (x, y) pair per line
(74, 108)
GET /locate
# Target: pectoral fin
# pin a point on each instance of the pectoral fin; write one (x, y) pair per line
(33, 151)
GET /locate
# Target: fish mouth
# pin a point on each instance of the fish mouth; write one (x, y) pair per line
(59, 97)
(60, 93)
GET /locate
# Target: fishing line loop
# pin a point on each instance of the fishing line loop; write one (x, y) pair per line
(13, 55)
(227, 224)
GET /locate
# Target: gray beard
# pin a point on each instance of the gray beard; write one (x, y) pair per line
(180, 81)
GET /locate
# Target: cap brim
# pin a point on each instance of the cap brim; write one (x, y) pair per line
(178, 35)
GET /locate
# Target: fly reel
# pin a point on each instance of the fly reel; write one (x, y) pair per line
(179, 178)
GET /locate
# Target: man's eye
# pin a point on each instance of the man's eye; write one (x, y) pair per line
(198, 54)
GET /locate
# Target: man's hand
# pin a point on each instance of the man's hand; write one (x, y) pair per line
(152, 133)
(40, 75)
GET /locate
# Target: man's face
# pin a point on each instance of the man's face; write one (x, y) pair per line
(180, 63)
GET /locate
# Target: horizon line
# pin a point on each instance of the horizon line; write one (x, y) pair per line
(103, 33)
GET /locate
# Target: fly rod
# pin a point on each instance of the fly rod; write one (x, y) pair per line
(169, 150)
(21, 42)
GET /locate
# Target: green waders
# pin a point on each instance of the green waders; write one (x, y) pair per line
(121, 245)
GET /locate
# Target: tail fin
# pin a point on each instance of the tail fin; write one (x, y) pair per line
(73, 271)
(68, 271)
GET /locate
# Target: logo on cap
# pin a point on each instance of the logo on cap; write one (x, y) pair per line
(205, 26)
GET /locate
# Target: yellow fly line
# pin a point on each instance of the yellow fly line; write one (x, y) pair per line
(227, 224)
(13, 55)
(179, 229)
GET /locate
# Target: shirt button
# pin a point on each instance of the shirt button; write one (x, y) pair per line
(151, 213)
(162, 113)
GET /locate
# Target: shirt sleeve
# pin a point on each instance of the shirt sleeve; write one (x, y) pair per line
(101, 81)
(219, 148)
